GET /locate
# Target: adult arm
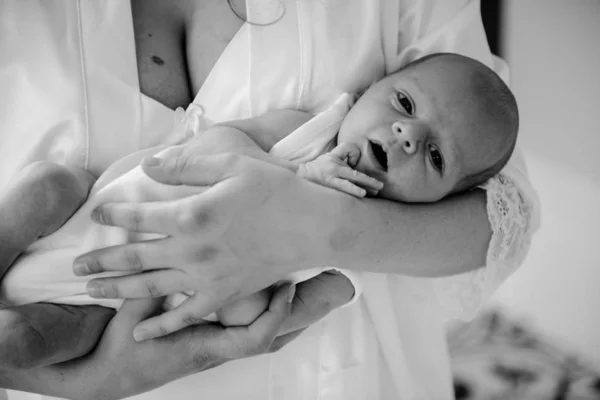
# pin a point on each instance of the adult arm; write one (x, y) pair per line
(236, 226)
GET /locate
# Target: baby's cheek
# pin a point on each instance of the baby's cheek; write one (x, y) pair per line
(245, 311)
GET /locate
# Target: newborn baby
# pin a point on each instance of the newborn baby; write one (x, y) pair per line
(439, 126)
(442, 125)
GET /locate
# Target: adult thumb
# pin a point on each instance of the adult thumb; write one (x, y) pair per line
(134, 311)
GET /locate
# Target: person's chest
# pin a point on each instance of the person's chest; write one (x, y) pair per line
(177, 45)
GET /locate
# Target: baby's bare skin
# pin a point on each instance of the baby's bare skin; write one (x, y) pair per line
(38, 202)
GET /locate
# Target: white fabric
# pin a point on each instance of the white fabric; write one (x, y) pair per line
(83, 107)
(44, 272)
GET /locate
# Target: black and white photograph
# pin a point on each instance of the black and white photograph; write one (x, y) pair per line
(299, 199)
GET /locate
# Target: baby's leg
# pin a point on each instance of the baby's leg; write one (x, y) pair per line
(35, 335)
(39, 200)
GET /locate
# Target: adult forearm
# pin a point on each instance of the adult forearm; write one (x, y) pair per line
(42, 381)
(440, 239)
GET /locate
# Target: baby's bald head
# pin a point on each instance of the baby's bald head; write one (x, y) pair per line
(495, 112)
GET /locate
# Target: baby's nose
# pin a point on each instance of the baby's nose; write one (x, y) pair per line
(407, 136)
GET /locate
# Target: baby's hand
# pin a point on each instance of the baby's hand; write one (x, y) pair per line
(336, 170)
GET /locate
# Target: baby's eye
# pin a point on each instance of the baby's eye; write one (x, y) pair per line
(405, 103)
(436, 158)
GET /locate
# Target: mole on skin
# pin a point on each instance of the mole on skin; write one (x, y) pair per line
(157, 60)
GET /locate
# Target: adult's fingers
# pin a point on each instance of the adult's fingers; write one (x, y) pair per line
(133, 311)
(132, 257)
(315, 298)
(197, 170)
(149, 284)
(154, 217)
(190, 312)
(281, 341)
(258, 337)
(52, 340)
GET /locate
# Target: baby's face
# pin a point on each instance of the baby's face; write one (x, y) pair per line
(419, 132)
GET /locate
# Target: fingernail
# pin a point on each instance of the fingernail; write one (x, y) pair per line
(95, 289)
(151, 162)
(291, 293)
(81, 269)
(97, 216)
(140, 335)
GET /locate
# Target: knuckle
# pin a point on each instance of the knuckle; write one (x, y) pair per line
(183, 219)
(201, 217)
(94, 265)
(191, 319)
(153, 290)
(329, 180)
(101, 215)
(134, 218)
(111, 290)
(133, 260)
(191, 220)
(180, 164)
(162, 331)
(331, 169)
(205, 254)
(326, 304)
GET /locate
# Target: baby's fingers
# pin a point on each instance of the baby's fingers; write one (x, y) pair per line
(372, 185)
(346, 186)
(347, 152)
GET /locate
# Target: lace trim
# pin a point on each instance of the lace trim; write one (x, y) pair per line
(510, 219)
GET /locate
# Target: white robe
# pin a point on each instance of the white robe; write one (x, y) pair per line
(69, 97)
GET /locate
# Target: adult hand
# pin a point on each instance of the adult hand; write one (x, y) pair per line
(256, 224)
(119, 366)
(50, 340)
(315, 298)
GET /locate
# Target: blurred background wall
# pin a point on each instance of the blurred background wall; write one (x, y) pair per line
(553, 48)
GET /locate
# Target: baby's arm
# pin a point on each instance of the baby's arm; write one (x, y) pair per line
(41, 199)
(336, 170)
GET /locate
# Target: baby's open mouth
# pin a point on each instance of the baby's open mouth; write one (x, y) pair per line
(380, 155)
